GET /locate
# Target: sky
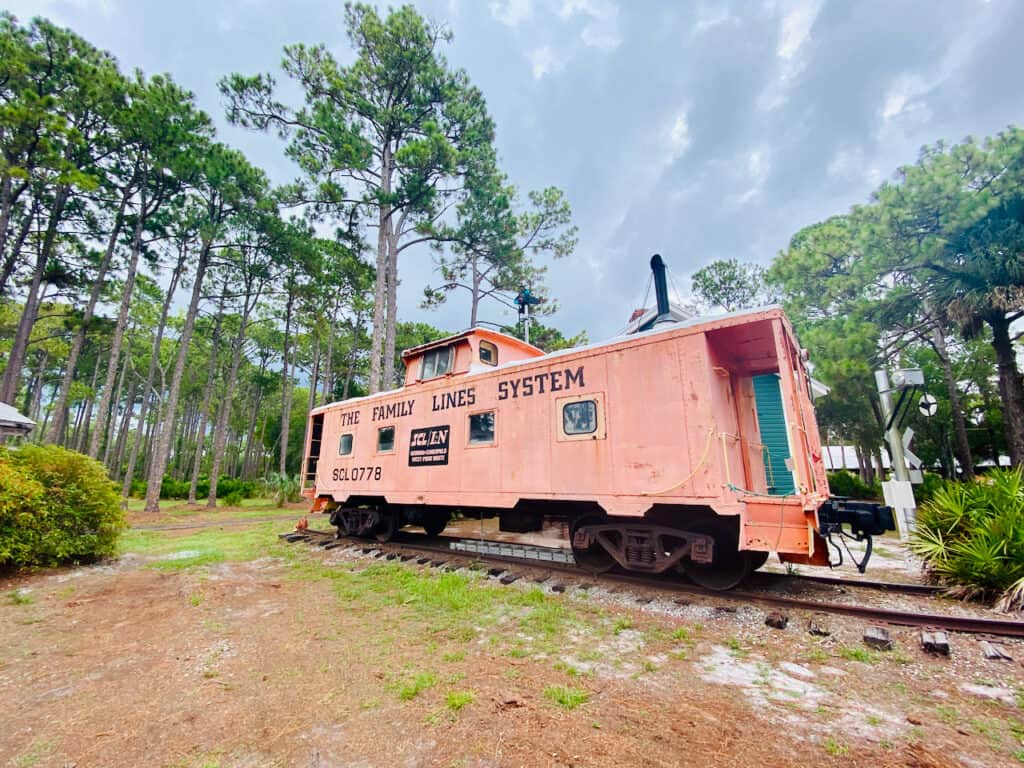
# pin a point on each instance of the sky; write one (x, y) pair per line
(698, 130)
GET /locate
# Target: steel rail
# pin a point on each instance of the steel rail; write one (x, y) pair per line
(965, 624)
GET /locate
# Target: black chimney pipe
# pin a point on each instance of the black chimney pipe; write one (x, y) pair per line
(660, 286)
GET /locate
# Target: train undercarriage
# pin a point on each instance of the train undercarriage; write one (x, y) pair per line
(705, 548)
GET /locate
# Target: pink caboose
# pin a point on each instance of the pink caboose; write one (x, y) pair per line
(690, 445)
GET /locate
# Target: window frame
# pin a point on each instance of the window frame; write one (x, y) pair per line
(469, 416)
(449, 348)
(394, 440)
(601, 430)
(489, 345)
(351, 446)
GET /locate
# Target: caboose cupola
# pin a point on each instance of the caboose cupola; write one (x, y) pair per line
(472, 351)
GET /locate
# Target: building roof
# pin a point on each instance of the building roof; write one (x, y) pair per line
(13, 423)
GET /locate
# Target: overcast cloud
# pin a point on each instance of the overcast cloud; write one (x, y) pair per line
(697, 130)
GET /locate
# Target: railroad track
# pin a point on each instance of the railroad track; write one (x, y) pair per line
(440, 551)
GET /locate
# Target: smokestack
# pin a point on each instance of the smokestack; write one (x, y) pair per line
(660, 289)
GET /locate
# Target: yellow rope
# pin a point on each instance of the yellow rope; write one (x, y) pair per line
(696, 469)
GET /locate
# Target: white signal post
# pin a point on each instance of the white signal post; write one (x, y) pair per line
(899, 492)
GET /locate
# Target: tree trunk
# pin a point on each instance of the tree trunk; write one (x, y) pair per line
(111, 418)
(83, 428)
(474, 304)
(311, 402)
(122, 432)
(220, 430)
(1010, 388)
(380, 290)
(11, 262)
(57, 425)
(154, 361)
(392, 319)
(328, 387)
(962, 446)
(32, 406)
(286, 389)
(11, 382)
(119, 328)
(164, 436)
(204, 408)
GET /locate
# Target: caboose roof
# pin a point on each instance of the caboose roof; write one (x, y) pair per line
(770, 310)
(481, 333)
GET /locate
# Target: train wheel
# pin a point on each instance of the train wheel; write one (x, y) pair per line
(387, 527)
(589, 554)
(435, 522)
(729, 565)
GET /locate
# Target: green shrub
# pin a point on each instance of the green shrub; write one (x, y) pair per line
(843, 483)
(283, 488)
(233, 499)
(923, 492)
(971, 535)
(178, 489)
(56, 506)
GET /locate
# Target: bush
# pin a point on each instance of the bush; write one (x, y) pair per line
(971, 535)
(843, 483)
(925, 491)
(56, 506)
(283, 488)
(233, 499)
(178, 489)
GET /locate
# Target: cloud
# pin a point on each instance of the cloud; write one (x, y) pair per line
(602, 28)
(544, 61)
(904, 95)
(796, 27)
(679, 136)
(753, 171)
(708, 18)
(54, 9)
(512, 13)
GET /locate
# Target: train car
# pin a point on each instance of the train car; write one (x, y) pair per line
(689, 445)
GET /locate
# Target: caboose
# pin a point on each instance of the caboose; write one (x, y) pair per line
(689, 444)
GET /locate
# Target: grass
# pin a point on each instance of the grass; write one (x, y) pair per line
(421, 682)
(858, 654)
(456, 700)
(836, 748)
(453, 656)
(17, 597)
(622, 624)
(207, 546)
(566, 696)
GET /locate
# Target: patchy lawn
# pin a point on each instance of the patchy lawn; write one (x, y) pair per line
(223, 647)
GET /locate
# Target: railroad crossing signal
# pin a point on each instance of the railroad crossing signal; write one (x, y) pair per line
(928, 405)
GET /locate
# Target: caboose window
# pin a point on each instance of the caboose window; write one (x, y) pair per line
(579, 418)
(481, 428)
(345, 444)
(385, 439)
(436, 362)
(488, 353)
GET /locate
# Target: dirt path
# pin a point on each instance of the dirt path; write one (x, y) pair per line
(282, 660)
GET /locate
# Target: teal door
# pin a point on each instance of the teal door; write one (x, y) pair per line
(772, 419)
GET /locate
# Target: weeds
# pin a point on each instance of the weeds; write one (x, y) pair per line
(422, 681)
(456, 700)
(565, 696)
(17, 597)
(835, 748)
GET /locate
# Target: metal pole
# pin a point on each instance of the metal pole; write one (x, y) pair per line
(893, 436)
(526, 322)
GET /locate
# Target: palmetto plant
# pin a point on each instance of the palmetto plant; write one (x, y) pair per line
(971, 536)
(282, 488)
